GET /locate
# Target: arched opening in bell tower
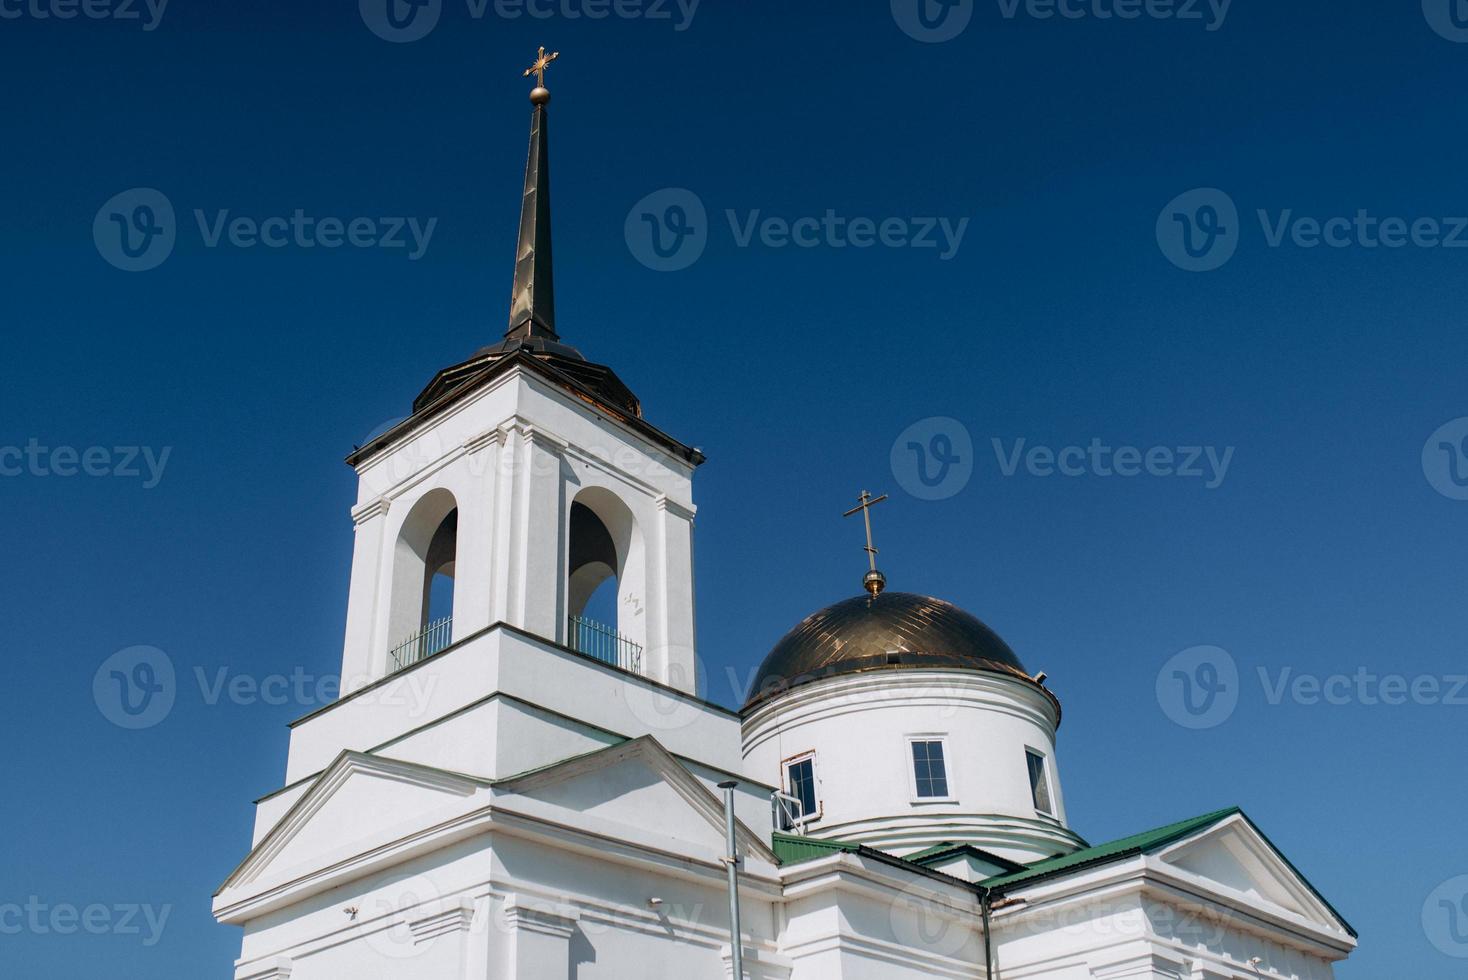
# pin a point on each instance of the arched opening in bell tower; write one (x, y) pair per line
(438, 573)
(604, 575)
(594, 564)
(420, 622)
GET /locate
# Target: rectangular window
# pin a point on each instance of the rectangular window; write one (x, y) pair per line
(930, 774)
(1039, 782)
(800, 782)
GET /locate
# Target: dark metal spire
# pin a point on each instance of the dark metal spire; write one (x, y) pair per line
(531, 341)
(532, 299)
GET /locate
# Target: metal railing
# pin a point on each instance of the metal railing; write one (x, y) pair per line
(428, 641)
(601, 642)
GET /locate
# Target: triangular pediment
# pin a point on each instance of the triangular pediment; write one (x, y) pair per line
(640, 786)
(357, 802)
(1234, 857)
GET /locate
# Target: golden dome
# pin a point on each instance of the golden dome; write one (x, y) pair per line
(891, 631)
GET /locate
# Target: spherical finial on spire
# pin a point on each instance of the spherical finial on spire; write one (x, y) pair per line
(540, 95)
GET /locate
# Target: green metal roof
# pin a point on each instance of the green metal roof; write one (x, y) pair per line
(947, 849)
(1145, 843)
(1103, 853)
(793, 849)
(942, 848)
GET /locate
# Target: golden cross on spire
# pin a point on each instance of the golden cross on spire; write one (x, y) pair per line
(542, 62)
(874, 581)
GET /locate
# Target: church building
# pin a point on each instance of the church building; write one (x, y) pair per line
(510, 788)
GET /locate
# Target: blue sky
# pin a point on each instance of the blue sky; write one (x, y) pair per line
(1069, 159)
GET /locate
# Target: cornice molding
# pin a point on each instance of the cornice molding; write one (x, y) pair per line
(666, 503)
(456, 915)
(532, 433)
(274, 968)
(546, 918)
(376, 507)
(759, 964)
(489, 437)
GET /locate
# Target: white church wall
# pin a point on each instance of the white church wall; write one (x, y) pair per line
(1099, 931)
(751, 798)
(453, 451)
(581, 688)
(552, 705)
(466, 741)
(1226, 941)
(504, 661)
(365, 928)
(860, 728)
(506, 904)
(655, 608)
(393, 707)
(850, 917)
(269, 809)
(620, 932)
(1123, 920)
(495, 738)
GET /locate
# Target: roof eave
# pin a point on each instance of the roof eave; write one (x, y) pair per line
(496, 367)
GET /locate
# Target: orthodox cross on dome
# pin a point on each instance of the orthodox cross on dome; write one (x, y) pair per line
(542, 62)
(874, 581)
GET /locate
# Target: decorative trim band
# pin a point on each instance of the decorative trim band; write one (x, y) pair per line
(489, 437)
(276, 968)
(542, 917)
(664, 502)
(455, 916)
(758, 964)
(375, 507)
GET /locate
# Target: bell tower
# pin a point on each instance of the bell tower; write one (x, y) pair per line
(524, 479)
